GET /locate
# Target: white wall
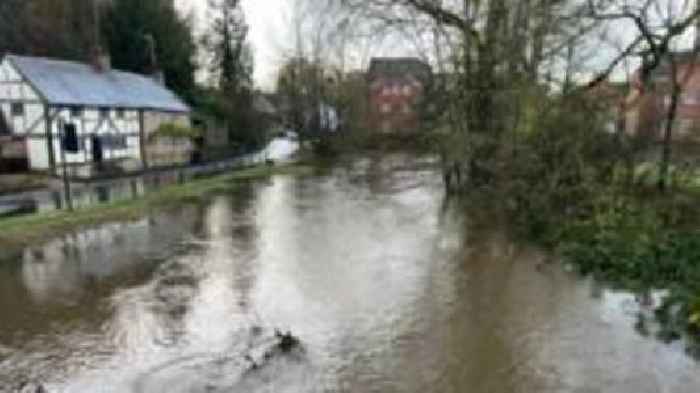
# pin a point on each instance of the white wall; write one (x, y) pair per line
(13, 88)
(37, 153)
(91, 122)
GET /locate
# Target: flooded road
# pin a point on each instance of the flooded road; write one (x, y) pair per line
(387, 288)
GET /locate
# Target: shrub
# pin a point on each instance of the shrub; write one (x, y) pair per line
(175, 131)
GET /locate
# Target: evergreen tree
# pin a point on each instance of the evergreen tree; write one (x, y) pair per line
(231, 70)
(132, 26)
(231, 57)
(11, 25)
(60, 29)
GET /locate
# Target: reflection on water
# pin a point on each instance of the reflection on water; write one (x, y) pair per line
(58, 270)
(388, 289)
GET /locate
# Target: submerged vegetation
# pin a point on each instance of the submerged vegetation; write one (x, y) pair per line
(574, 189)
(569, 192)
(26, 230)
(641, 245)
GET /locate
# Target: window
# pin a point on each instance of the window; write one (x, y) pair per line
(385, 108)
(76, 111)
(406, 109)
(120, 113)
(397, 90)
(70, 141)
(407, 91)
(667, 100)
(17, 109)
(691, 98)
(113, 142)
(685, 126)
(104, 113)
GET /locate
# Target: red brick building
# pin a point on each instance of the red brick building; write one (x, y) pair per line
(647, 106)
(397, 88)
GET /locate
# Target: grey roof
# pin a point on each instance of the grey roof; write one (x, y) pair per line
(70, 83)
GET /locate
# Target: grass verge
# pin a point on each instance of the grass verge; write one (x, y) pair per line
(17, 232)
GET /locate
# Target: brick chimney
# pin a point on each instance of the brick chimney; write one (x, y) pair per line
(159, 77)
(100, 59)
(155, 71)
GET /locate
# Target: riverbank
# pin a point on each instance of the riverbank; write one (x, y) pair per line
(627, 237)
(18, 232)
(645, 244)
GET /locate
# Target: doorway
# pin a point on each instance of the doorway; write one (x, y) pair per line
(97, 151)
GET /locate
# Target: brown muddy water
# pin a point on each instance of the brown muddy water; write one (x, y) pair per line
(388, 289)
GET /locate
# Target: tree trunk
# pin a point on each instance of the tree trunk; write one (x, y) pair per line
(668, 133)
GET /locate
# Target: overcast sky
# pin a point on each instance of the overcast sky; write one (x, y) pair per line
(267, 20)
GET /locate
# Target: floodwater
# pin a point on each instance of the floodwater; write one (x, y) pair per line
(388, 289)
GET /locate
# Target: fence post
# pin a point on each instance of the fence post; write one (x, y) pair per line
(66, 181)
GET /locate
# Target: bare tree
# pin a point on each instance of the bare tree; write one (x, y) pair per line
(659, 24)
(511, 54)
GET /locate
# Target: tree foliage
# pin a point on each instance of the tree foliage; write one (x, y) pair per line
(175, 131)
(519, 114)
(128, 27)
(230, 66)
(68, 29)
(48, 28)
(299, 82)
(231, 59)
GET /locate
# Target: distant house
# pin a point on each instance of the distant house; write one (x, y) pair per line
(647, 104)
(396, 90)
(92, 115)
